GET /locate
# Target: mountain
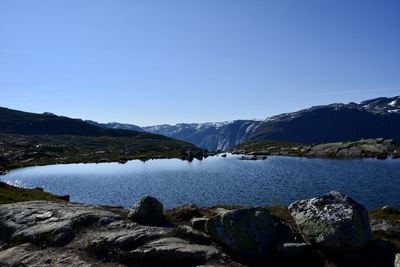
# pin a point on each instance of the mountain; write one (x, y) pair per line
(19, 122)
(382, 105)
(30, 139)
(211, 136)
(373, 118)
(26, 123)
(116, 125)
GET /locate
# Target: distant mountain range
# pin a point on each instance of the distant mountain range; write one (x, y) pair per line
(373, 118)
(116, 125)
(26, 123)
(211, 136)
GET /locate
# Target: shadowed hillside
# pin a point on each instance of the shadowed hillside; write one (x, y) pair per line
(28, 139)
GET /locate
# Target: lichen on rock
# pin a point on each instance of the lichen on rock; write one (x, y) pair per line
(334, 222)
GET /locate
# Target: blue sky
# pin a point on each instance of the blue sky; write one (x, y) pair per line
(152, 62)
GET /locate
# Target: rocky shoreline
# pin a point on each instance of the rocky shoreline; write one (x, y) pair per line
(369, 148)
(330, 230)
(23, 151)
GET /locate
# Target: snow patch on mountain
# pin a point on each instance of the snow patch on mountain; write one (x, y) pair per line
(393, 103)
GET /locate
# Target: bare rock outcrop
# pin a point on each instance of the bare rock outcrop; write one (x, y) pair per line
(334, 222)
(42, 233)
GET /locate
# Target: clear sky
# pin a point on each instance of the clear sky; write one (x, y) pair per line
(151, 62)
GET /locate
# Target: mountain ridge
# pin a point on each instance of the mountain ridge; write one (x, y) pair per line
(340, 122)
(373, 118)
(15, 122)
(29, 123)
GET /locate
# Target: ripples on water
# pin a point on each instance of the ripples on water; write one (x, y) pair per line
(218, 180)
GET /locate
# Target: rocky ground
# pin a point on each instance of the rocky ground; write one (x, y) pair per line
(368, 148)
(330, 230)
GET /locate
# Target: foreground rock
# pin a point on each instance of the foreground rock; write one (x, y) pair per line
(247, 232)
(42, 233)
(47, 223)
(386, 228)
(148, 210)
(333, 222)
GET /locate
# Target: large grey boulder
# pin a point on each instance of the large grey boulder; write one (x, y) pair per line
(247, 232)
(148, 210)
(333, 222)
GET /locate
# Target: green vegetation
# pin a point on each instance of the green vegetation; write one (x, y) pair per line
(12, 194)
(385, 213)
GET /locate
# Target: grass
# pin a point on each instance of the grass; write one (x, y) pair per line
(389, 214)
(12, 194)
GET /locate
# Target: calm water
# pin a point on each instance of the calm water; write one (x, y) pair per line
(217, 180)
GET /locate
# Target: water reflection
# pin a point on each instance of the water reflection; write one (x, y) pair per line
(217, 180)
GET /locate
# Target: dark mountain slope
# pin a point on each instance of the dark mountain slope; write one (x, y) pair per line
(19, 122)
(28, 139)
(329, 124)
(25, 123)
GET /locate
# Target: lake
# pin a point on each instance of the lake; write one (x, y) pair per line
(217, 180)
